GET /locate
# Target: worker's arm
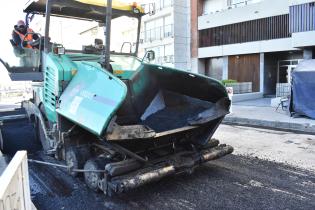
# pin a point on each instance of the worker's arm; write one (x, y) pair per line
(16, 39)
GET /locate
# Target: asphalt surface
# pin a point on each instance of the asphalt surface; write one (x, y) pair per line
(254, 181)
(233, 182)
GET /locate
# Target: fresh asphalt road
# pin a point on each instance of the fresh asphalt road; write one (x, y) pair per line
(252, 178)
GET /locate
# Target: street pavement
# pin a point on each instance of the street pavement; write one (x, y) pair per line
(259, 113)
(295, 149)
(268, 170)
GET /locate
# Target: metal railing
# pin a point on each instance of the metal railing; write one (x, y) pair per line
(231, 5)
(164, 4)
(157, 33)
(243, 3)
(157, 5)
(165, 59)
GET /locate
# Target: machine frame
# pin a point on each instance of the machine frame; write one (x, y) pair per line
(122, 151)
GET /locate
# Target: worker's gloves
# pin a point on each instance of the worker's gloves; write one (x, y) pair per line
(25, 43)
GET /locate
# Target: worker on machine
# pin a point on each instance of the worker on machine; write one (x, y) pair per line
(18, 36)
(24, 42)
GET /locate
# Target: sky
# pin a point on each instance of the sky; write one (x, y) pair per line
(10, 13)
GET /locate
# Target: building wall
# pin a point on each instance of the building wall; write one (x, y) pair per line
(257, 28)
(245, 68)
(296, 2)
(271, 65)
(249, 12)
(302, 17)
(302, 26)
(274, 45)
(245, 42)
(212, 6)
(214, 68)
(268, 28)
(182, 34)
(195, 11)
(172, 49)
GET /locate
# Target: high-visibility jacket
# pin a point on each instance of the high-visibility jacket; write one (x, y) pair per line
(28, 38)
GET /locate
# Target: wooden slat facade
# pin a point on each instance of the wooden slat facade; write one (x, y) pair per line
(245, 68)
(255, 30)
(302, 17)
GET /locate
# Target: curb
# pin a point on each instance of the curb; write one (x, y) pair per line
(295, 127)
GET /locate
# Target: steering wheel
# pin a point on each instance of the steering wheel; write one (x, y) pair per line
(34, 43)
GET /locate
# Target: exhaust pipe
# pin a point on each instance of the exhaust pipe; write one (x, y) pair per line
(179, 164)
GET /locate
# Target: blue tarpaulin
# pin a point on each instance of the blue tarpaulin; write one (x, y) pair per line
(303, 89)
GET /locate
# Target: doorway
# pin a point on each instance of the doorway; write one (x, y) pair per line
(284, 72)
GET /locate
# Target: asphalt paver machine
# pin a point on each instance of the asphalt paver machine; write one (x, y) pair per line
(118, 119)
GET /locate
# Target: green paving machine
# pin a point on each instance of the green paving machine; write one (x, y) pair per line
(110, 115)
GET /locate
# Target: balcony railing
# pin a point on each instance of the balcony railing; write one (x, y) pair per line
(165, 59)
(158, 33)
(231, 5)
(302, 17)
(242, 3)
(157, 5)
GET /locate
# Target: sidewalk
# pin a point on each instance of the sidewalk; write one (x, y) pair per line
(259, 113)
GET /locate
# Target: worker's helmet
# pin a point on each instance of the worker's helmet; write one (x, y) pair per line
(20, 23)
(21, 26)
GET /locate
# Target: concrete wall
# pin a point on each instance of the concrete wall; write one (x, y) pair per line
(303, 39)
(182, 34)
(274, 45)
(296, 2)
(266, 8)
(198, 65)
(298, 40)
(211, 6)
(214, 68)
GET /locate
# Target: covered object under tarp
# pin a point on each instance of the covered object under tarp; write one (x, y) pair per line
(303, 89)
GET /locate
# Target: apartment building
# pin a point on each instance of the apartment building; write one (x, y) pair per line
(257, 41)
(167, 32)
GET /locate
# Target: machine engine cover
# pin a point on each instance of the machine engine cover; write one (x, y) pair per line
(92, 97)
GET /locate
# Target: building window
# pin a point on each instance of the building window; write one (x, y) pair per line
(164, 54)
(158, 29)
(161, 4)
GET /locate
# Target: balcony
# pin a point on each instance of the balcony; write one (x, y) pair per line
(242, 3)
(157, 6)
(165, 59)
(243, 11)
(158, 33)
(231, 4)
